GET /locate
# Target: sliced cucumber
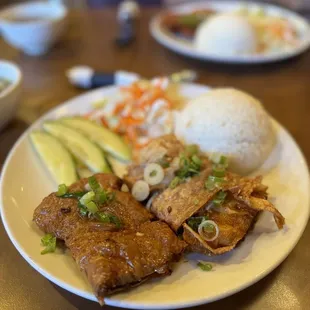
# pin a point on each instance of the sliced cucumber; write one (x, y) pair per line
(106, 139)
(79, 145)
(119, 168)
(55, 156)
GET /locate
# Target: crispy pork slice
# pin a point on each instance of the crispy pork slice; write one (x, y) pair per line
(164, 151)
(245, 199)
(175, 205)
(113, 258)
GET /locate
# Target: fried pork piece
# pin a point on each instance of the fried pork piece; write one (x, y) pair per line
(166, 151)
(245, 199)
(112, 258)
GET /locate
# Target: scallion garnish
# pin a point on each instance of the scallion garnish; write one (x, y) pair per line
(212, 182)
(218, 171)
(62, 189)
(219, 198)
(223, 161)
(204, 266)
(189, 167)
(88, 197)
(218, 174)
(76, 195)
(215, 179)
(108, 218)
(91, 207)
(49, 241)
(88, 202)
(94, 184)
(153, 173)
(210, 185)
(191, 150)
(163, 162)
(83, 210)
(196, 160)
(194, 221)
(175, 182)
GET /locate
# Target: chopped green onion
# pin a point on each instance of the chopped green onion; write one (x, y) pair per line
(88, 197)
(175, 182)
(153, 173)
(191, 150)
(49, 241)
(194, 221)
(218, 171)
(102, 217)
(83, 210)
(210, 185)
(196, 160)
(115, 220)
(163, 162)
(189, 166)
(215, 179)
(213, 182)
(205, 266)
(223, 161)
(219, 198)
(91, 207)
(62, 189)
(77, 195)
(101, 197)
(108, 218)
(93, 183)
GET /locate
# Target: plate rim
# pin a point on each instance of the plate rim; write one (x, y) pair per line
(133, 304)
(184, 49)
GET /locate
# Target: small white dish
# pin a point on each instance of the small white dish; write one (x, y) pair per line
(187, 48)
(22, 188)
(9, 97)
(33, 27)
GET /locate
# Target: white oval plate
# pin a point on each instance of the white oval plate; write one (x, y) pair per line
(186, 48)
(25, 181)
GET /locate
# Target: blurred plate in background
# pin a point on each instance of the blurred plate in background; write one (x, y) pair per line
(187, 48)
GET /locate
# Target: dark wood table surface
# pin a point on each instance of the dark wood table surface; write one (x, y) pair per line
(284, 88)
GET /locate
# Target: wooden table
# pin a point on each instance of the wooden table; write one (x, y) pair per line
(284, 88)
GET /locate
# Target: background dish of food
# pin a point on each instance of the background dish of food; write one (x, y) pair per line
(188, 285)
(187, 48)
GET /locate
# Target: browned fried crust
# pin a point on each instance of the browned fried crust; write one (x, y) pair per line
(247, 197)
(112, 259)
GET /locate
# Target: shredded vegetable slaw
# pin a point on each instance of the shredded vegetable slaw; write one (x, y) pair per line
(144, 112)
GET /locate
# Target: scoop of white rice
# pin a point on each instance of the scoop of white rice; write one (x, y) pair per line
(228, 122)
(226, 34)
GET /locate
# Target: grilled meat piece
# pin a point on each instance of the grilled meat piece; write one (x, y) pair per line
(234, 217)
(246, 198)
(112, 258)
(163, 151)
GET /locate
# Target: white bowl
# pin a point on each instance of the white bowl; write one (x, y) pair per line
(9, 97)
(33, 27)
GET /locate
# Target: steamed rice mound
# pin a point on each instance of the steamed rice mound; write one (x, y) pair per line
(229, 122)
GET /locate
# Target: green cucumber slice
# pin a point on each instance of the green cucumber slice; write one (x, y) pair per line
(79, 146)
(55, 156)
(105, 138)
